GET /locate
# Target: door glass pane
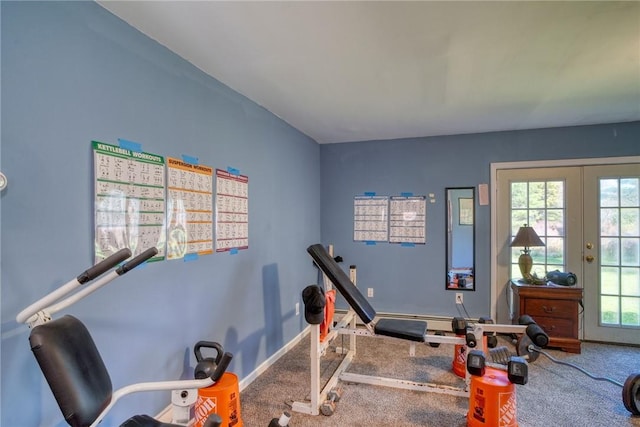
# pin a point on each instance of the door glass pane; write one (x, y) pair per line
(630, 283)
(609, 222)
(555, 222)
(629, 224)
(555, 194)
(630, 192)
(537, 195)
(608, 192)
(630, 252)
(610, 280)
(630, 311)
(609, 251)
(609, 312)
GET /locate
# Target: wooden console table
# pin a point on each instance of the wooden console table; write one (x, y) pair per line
(554, 308)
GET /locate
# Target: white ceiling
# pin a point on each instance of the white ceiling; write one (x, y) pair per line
(352, 71)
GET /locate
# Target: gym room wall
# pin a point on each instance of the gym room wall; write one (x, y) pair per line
(72, 72)
(411, 280)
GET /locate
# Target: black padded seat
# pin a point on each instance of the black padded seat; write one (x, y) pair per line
(412, 330)
(76, 373)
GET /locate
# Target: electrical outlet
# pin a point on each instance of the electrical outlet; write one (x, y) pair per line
(370, 292)
(459, 298)
(297, 309)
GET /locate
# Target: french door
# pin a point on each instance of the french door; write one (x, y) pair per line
(611, 248)
(589, 219)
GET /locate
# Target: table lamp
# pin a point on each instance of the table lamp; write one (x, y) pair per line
(526, 238)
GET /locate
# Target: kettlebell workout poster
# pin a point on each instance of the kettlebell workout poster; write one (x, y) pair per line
(129, 201)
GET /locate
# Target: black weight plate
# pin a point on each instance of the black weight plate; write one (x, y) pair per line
(492, 341)
(522, 348)
(631, 394)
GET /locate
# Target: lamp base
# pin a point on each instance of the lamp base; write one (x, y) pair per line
(525, 263)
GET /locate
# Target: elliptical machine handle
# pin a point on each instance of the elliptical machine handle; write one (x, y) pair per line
(222, 366)
(104, 265)
(127, 266)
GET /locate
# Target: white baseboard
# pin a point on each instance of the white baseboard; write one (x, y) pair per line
(271, 360)
(165, 415)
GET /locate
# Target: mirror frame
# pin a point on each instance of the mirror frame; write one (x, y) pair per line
(452, 222)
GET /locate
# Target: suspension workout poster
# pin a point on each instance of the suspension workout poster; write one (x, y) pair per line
(129, 201)
(189, 209)
(232, 211)
(407, 219)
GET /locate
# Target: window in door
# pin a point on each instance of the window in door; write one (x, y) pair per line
(541, 205)
(619, 232)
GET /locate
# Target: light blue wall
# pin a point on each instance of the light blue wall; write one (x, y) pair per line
(71, 73)
(411, 279)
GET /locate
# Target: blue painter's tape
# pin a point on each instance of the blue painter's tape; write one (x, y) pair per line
(189, 159)
(130, 145)
(370, 243)
(406, 194)
(233, 251)
(190, 257)
(143, 265)
(369, 193)
(408, 245)
(233, 171)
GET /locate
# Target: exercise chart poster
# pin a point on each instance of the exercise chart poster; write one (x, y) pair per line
(407, 219)
(370, 222)
(189, 209)
(232, 211)
(129, 201)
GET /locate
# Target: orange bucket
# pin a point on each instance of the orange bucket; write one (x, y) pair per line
(492, 402)
(459, 364)
(222, 398)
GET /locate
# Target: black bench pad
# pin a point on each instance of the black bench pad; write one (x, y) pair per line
(412, 330)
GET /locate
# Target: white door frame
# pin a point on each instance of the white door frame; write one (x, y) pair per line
(530, 165)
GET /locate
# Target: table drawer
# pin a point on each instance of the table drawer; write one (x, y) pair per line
(556, 327)
(564, 309)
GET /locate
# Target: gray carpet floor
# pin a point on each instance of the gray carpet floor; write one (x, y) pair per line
(554, 396)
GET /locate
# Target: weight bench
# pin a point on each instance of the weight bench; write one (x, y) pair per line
(413, 331)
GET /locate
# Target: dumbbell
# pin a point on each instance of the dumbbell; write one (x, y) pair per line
(517, 368)
(492, 339)
(213, 420)
(459, 325)
(329, 405)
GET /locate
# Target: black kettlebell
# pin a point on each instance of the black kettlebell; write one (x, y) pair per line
(206, 366)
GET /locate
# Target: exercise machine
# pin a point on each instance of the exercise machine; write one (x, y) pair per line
(73, 367)
(413, 331)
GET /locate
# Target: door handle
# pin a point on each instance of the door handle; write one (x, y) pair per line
(589, 258)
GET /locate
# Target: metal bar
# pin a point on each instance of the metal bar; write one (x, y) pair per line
(403, 384)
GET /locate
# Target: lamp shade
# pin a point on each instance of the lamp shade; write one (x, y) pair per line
(526, 237)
